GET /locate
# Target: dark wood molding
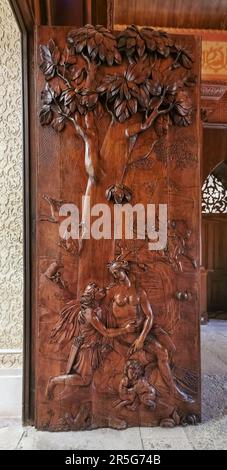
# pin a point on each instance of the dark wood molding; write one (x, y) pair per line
(213, 90)
(202, 14)
(110, 14)
(58, 13)
(24, 14)
(215, 125)
(213, 104)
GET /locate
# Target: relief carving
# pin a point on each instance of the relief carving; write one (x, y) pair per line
(177, 252)
(134, 388)
(179, 153)
(69, 245)
(178, 247)
(124, 325)
(87, 334)
(115, 354)
(144, 77)
(54, 275)
(118, 193)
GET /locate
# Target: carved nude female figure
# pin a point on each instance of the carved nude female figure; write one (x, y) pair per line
(130, 303)
(88, 345)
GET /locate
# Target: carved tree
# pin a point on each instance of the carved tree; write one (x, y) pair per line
(144, 77)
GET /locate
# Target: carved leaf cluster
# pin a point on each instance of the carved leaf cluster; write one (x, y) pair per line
(72, 70)
(133, 41)
(138, 43)
(97, 42)
(139, 86)
(146, 89)
(182, 55)
(60, 105)
(78, 99)
(50, 55)
(125, 91)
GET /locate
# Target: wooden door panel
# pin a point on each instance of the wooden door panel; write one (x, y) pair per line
(217, 298)
(117, 324)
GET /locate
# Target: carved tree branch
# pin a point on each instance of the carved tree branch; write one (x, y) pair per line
(91, 71)
(63, 78)
(143, 126)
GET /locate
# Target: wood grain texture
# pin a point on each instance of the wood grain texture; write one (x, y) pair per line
(213, 155)
(214, 236)
(119, 120)
(201, 14)
(51, 12)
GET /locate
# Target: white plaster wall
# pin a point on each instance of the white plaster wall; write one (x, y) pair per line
(11, 214)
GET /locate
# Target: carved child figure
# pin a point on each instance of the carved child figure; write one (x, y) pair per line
(134, 387)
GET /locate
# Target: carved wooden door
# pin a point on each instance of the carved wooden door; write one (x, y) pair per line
(117, 322)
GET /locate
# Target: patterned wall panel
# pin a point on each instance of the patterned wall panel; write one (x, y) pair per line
(11, 196)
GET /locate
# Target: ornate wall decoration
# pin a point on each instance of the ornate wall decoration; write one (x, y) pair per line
(10, 359)
(11, 207)
(214, 91)
(214, 59)
(214, 196)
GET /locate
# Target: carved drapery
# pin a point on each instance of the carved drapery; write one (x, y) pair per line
(11, 242)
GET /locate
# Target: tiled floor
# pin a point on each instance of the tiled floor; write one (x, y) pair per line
(211, 434)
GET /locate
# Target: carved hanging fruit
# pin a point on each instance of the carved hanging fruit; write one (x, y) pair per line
(118, 193)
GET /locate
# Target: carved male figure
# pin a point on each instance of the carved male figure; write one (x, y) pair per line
(87, 346)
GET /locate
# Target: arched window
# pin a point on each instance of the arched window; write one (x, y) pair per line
(214, 191)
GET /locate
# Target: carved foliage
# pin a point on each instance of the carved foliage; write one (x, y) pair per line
(144, 89)
(97, 42)
(135, 42)
(141, 86)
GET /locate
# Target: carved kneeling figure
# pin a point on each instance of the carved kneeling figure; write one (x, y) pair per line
(87, 346)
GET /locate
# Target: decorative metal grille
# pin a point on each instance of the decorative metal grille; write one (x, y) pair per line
(214, 196)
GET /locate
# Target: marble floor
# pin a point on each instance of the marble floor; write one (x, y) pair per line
(210, 434)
